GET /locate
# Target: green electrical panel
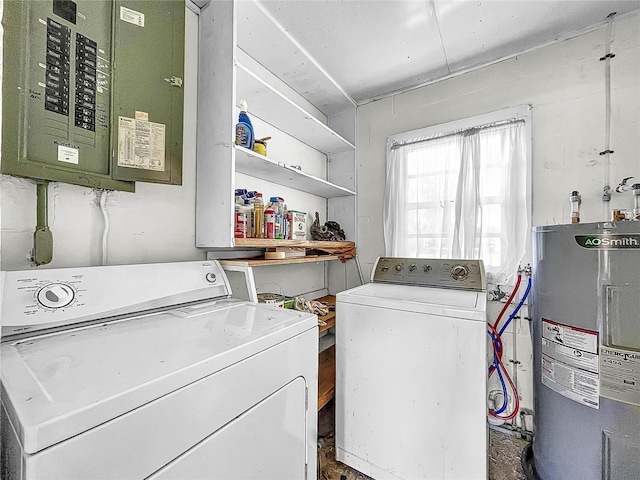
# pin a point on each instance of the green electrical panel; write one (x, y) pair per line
(92, 91)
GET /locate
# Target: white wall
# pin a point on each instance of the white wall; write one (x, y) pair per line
(565, 84)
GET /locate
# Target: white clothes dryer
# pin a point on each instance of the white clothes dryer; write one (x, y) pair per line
(411, 371)
(152, 372)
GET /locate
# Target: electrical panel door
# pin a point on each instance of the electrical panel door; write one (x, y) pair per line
(58, 88)
(148, 102)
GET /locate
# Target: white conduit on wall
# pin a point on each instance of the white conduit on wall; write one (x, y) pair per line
(105, 231)
(607, 133)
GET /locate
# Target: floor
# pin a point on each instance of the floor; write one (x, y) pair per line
(504, 453)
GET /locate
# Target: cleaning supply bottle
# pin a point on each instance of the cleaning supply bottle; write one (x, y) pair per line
(269, 223)
(240, 217)
(250, 196)
(244, 129)
(284, 231)
(258, 216)
(240, 221)
(248, 207)
(274, 205)
(240, 195)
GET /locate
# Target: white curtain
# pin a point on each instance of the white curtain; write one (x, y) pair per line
(460, 195)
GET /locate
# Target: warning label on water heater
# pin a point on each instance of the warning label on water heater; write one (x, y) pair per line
(620, 375)
(570, 363)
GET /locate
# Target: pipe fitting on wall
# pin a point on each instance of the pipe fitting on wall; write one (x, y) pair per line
(623, 186)
(636, 201)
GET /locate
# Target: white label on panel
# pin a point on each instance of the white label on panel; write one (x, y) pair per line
(573, 383)
(572, 337)
(131, 16)
(141, 144)
(571, 356)
(620, 375)
(68, 154)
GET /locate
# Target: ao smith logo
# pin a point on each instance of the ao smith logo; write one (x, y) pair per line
(604, 241)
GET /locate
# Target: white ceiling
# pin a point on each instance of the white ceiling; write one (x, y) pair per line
(374, 47)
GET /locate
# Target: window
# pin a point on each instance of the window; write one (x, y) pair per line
(462, 190)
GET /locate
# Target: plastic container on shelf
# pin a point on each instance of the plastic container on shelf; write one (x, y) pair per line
(274, 204)
(240, 221)
(258, 216)
(284, 225)
(250, 217)
(244, 128)
(269, 223)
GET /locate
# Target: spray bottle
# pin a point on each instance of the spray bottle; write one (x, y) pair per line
(244, 129)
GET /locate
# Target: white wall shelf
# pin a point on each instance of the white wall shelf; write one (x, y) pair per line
(244, 54)
(270, 105)
(264, 39)
(256, 165)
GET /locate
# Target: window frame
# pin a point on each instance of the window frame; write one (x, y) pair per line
(521, 112)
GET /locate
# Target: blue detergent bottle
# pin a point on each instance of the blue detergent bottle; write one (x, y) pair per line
(244, 129)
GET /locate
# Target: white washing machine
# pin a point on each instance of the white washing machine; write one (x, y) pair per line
(411, 371)
(152, 372)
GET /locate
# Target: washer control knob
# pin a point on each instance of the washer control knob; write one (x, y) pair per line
(211, 277)
(55, 295)
(398, 267)
(385, 269)
(427, 268)
(413, 267)
(459, 272)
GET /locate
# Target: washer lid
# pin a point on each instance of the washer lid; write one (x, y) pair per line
(62, 384)
(437, 301)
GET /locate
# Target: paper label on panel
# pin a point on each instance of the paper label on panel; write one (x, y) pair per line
(578, 385)
(620, 375)
(570, 363)
(131, 16)
(570, 356)
(572, 337)
(141, 144)
(68, 154)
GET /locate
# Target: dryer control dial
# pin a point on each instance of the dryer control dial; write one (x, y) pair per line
(459, 272)
(55, 295)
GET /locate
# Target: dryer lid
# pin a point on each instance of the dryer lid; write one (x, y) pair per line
(61, 384)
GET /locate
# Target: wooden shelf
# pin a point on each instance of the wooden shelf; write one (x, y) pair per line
(261, 262)
(337, 247)
(256, 165)
(326, 376)
(327, 358)
(330, 318)
(331, 251)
